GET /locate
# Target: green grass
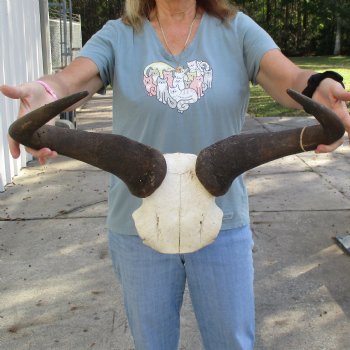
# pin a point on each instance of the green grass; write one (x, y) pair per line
(262, 105)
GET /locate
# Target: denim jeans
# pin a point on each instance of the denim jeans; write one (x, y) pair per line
(220, 283)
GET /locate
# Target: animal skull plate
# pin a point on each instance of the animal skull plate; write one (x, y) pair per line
(181, 216)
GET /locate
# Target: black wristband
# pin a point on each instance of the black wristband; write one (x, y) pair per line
(315, 80)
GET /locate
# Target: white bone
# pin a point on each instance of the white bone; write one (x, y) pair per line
(181, 216)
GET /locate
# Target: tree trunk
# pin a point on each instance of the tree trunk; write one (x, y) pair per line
(337, 46)
(268, 13)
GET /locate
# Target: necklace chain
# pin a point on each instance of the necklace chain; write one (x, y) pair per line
(186, 41)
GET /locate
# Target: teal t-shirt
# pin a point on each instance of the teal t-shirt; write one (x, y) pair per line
(179, 104)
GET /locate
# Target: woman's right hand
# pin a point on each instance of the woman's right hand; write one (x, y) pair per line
(81, 74)
(31, 95)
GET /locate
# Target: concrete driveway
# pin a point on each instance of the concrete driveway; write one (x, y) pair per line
(58, 290)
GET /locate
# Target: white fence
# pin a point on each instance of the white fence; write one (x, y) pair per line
(20, 61)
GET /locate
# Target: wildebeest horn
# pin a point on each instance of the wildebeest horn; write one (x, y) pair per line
(219, 164)
(141, 167)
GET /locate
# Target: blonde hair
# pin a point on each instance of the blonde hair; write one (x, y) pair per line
(136, 11)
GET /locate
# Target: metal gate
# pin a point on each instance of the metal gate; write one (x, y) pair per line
(66, 42)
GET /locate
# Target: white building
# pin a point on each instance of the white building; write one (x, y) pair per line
(25, 55)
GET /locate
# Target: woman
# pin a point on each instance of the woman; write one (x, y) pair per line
(180, 70)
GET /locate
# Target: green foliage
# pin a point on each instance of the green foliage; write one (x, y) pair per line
(299, 27)
(94, 13)
(303, 27)
(262, 105)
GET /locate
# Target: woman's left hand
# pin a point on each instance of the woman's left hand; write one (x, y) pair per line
(331, 94)
(278, 73)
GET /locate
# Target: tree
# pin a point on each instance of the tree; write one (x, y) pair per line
(341, 13)
(304, 26)
(299, 27)
(94, 13)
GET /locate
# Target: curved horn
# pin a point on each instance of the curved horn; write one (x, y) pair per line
(142, 168)
(219, 164)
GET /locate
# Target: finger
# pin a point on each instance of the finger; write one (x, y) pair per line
(43, 160)
(329, 148)
(15, 92)
(341, 110)
(344, 115)
(14, 147)
(341, 94)
(41, 153)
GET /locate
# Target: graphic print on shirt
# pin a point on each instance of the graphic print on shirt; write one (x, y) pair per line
(180, 87)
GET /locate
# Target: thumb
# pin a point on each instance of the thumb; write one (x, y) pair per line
(21, 92)
(15, 92)
(341, 94)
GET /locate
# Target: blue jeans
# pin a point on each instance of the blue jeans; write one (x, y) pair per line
(220, 283)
